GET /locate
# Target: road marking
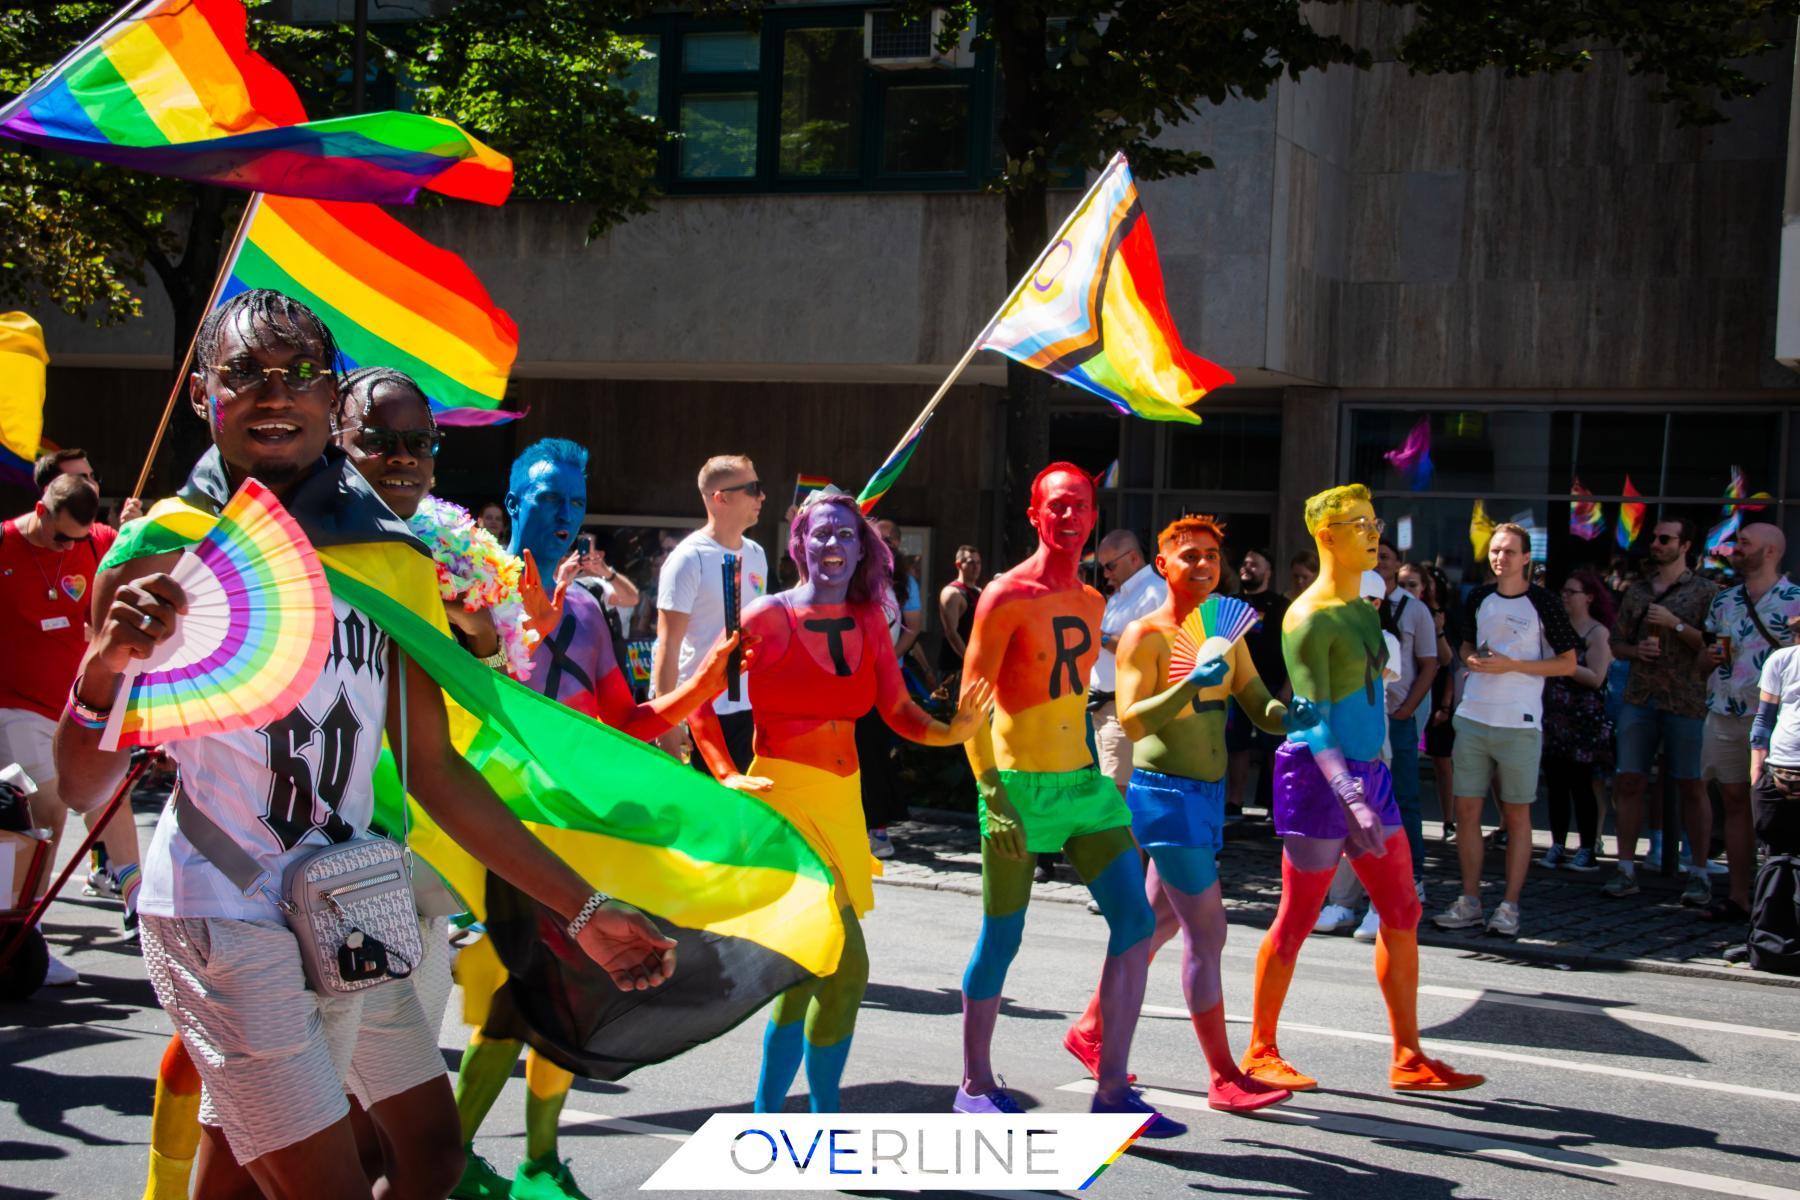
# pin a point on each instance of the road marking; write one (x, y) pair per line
(1436, 1046)
(668, 1133)
(1591, 1161)
(1615, 1011)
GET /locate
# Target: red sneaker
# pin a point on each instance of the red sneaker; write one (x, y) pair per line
(1087, 1052)
(1244, 1094)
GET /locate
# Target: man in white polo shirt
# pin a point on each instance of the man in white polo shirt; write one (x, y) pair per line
(1138, 591)
(690, 593)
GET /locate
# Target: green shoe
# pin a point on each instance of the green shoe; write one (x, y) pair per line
(479, 1179)
(545, 1179)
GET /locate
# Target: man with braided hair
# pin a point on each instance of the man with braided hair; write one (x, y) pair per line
(1333, 796)
(1177, 796)
(1036, 635)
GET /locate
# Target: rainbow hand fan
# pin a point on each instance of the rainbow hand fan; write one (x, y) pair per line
(253, 640)
(1209, 632)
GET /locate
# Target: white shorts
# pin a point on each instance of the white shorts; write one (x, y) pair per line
(1112, 744)
(275, 1059)
(1725, 748)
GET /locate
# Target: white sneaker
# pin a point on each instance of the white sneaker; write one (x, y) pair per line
(1419, 887)
(1505, 921)
(60, 973)
(1464, 914)
(880, 845)
(1370, 927)
(1332, 918)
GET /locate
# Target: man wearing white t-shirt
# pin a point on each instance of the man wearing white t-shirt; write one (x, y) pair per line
(690, 593)
(1138, 591)
(1516, 635)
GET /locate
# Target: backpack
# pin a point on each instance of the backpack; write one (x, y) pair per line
(1775, 916)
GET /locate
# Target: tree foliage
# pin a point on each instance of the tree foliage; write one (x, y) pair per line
(533, 78)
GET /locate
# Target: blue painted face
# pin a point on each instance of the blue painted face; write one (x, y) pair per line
(546, 513)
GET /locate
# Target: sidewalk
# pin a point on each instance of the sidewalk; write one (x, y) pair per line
(1567, 921)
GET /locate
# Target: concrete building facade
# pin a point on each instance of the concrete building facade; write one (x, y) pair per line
(1561, 282)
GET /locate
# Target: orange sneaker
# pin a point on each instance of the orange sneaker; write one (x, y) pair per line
(1087, 1052)
(1417, 1073)
(1266, 1064)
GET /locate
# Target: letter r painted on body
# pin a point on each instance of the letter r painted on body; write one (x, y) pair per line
(1068, 653)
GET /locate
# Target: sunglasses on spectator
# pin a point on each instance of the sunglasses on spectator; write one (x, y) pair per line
(1108, 566)
(380, 442)
(753, 488)
(1660, 538)
(1572, 590)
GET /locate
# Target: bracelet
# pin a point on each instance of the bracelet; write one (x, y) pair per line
(496, 660)
(82, 715)
(574, 928)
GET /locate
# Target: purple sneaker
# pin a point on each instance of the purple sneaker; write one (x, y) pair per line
(1159, 1127)
(997, 1101)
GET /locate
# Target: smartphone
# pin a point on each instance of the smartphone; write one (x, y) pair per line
(584, 544)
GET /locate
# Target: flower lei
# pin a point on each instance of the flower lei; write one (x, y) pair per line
(475, 570)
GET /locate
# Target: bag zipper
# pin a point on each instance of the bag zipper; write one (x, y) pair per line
(360, 884)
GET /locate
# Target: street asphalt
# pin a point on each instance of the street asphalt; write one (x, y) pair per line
(1598, 1080)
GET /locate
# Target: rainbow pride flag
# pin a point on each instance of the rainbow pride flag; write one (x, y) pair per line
(1094, 313)
(1631, 516)
(22, 362)
(1737, 492)
(1585, 519)
(889, 471)
(391, 298)
(172, 88)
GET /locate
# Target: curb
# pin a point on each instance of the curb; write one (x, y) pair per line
(1578, 960)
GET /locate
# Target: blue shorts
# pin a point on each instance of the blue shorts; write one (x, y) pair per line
(1641, 727)
(1173, 810)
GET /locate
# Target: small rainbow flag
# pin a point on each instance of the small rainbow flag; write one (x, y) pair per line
(1094, 313)
(806, 485)
(1585, 519)
(172, 88)
(22, 362)
(1737, 490)
(1720, 537)
(889, 470)
(391, 299)
(1631, 516)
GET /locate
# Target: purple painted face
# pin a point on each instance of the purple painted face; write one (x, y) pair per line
(833, 546)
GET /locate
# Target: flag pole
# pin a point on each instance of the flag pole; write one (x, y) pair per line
(962, 363)
(226, 262)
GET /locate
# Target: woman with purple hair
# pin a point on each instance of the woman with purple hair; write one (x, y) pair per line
(821, 659)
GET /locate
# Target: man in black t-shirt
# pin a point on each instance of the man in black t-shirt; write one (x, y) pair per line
(1246, 743)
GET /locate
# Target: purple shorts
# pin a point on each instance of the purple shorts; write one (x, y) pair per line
(1305, 805)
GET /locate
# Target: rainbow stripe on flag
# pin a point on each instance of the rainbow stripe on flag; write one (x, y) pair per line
(1631, 516)
(22, 362)
(172, 88)
(1585, 519)
(1737, 491)
(889, 471)
(391, 298)
(1094, 314)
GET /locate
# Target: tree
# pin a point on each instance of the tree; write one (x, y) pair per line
(1083, 79)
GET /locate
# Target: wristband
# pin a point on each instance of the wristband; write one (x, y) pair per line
(586, 914)
(81, 714)
(496, 660)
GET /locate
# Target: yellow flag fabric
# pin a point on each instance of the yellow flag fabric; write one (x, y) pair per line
(22, 362)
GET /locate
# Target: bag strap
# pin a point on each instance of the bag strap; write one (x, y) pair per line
(233, 861)
(1756, 617)
(405, 776)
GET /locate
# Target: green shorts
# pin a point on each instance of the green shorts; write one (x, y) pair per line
(1058, 805)
(1486, 754)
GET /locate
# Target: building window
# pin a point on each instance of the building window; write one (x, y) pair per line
(821, 101)
(641, 81)
(1522, 463)
(718, 135)
(797, 105)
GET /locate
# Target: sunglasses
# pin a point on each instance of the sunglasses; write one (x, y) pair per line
(1363, 525)
(1664, 538)
(63, 539)
(1574, 591)
(303, 374)
(1108, 566)
(753, 488)
(380, 443)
